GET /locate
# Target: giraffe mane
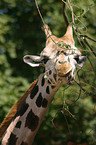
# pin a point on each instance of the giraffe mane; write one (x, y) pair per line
(14, 109)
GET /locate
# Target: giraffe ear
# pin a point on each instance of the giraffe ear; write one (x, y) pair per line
(32, 60)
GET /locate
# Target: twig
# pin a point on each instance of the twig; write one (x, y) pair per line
(79, 91)
(86, 42)
(86, 46)
(92, 65)
(88, 37)
(44, 22)
(84, 9)
(88, 84)
(88, 93)
(65, 14)
(89, 46)
(66, 120)
(54, 118)
(71, 11)
(39, 12)
(76, 99)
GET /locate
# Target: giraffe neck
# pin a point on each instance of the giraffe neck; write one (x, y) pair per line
(27, 120)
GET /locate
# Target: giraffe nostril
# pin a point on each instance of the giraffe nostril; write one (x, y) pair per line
(59, 62)
(62, 62)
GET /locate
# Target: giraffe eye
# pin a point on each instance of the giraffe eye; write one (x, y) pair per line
(45, 59)
(77, 59)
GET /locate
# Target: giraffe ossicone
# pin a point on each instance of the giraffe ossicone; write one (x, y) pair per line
(59, 58)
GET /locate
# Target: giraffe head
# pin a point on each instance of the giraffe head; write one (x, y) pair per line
(60, 56)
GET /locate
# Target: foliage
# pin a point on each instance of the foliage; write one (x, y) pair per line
(74, 122)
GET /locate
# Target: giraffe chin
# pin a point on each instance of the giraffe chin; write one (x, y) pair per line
(65, 75)
(68, 77)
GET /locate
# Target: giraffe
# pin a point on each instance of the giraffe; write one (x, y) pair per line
(59, 58)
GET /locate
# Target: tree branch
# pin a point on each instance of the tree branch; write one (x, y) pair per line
(65, 14)
(85, 41)
(88, 93)
(88, 37)
(89, 46)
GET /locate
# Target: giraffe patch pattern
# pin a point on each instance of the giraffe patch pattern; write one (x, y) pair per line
(49, 82)
(44, 103)
(54, 75)
(32, 121)
(52, 86)
(42, 82)
(39, 100)
(24, 143)
(12, 139)
(22, 110)
(50, 72)
(47, 90)
(18, 125)
(34, 91)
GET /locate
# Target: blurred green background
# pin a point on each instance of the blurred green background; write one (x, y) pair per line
(21, 34)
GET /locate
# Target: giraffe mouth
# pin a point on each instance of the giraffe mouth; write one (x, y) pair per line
(67, 74)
